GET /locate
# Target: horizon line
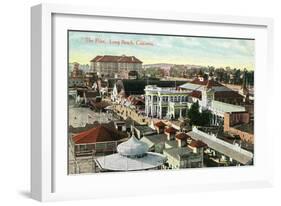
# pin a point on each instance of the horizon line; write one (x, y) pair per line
(198, 65)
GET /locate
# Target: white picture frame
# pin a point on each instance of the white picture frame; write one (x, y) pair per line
(46, 179)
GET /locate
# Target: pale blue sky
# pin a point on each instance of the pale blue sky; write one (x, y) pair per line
(218, 52)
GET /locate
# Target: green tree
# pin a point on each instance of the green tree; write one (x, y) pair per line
(205, 76)
(205, 118)
(200, 73)
(197, 118)
(194, 114)
(237, 75)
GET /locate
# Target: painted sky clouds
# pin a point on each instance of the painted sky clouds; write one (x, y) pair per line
(218, 52)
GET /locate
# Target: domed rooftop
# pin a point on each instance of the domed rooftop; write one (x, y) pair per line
(132, 148)
(132, 155)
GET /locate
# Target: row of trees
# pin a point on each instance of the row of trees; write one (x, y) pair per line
(228, 75)
(235, 76)
(225, 75)
(154, 72)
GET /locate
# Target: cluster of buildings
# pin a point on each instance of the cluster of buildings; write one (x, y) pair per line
(79, 78)
(151, 127)
(107, 66)
(156, 146)
(173, 103)
(180, 149)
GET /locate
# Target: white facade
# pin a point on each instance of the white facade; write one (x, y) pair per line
(165, 102)
(114, 95)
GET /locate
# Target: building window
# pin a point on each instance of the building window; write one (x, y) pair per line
(172, 99)
(83, 147)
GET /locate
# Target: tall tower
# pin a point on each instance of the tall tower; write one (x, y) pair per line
(208, 94)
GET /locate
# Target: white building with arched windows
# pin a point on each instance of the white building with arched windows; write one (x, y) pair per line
(163, 102)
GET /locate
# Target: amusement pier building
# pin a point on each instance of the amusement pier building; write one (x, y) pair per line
(173, 103)
(165, 102)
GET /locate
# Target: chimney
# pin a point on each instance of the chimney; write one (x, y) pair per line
(168, 136)
(197, 146)
(159, 126)
(194, 149)
(181, 139)
(170, 132)
(181, 143)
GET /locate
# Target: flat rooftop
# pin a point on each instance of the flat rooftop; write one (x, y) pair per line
(232, 151)
(225, 107)
(154, 139)
(144, 128)
(178, 152)
(249, 128)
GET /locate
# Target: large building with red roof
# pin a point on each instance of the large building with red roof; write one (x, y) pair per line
(102, 138)
(116, 66)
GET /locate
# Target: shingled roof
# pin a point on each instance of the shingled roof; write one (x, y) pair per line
(96, 58)
(100, 133)
(160, 124)
(171, 130)
(228, 94)
(182, 136)
(197, 144)
(116, 59)
(196, 94)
